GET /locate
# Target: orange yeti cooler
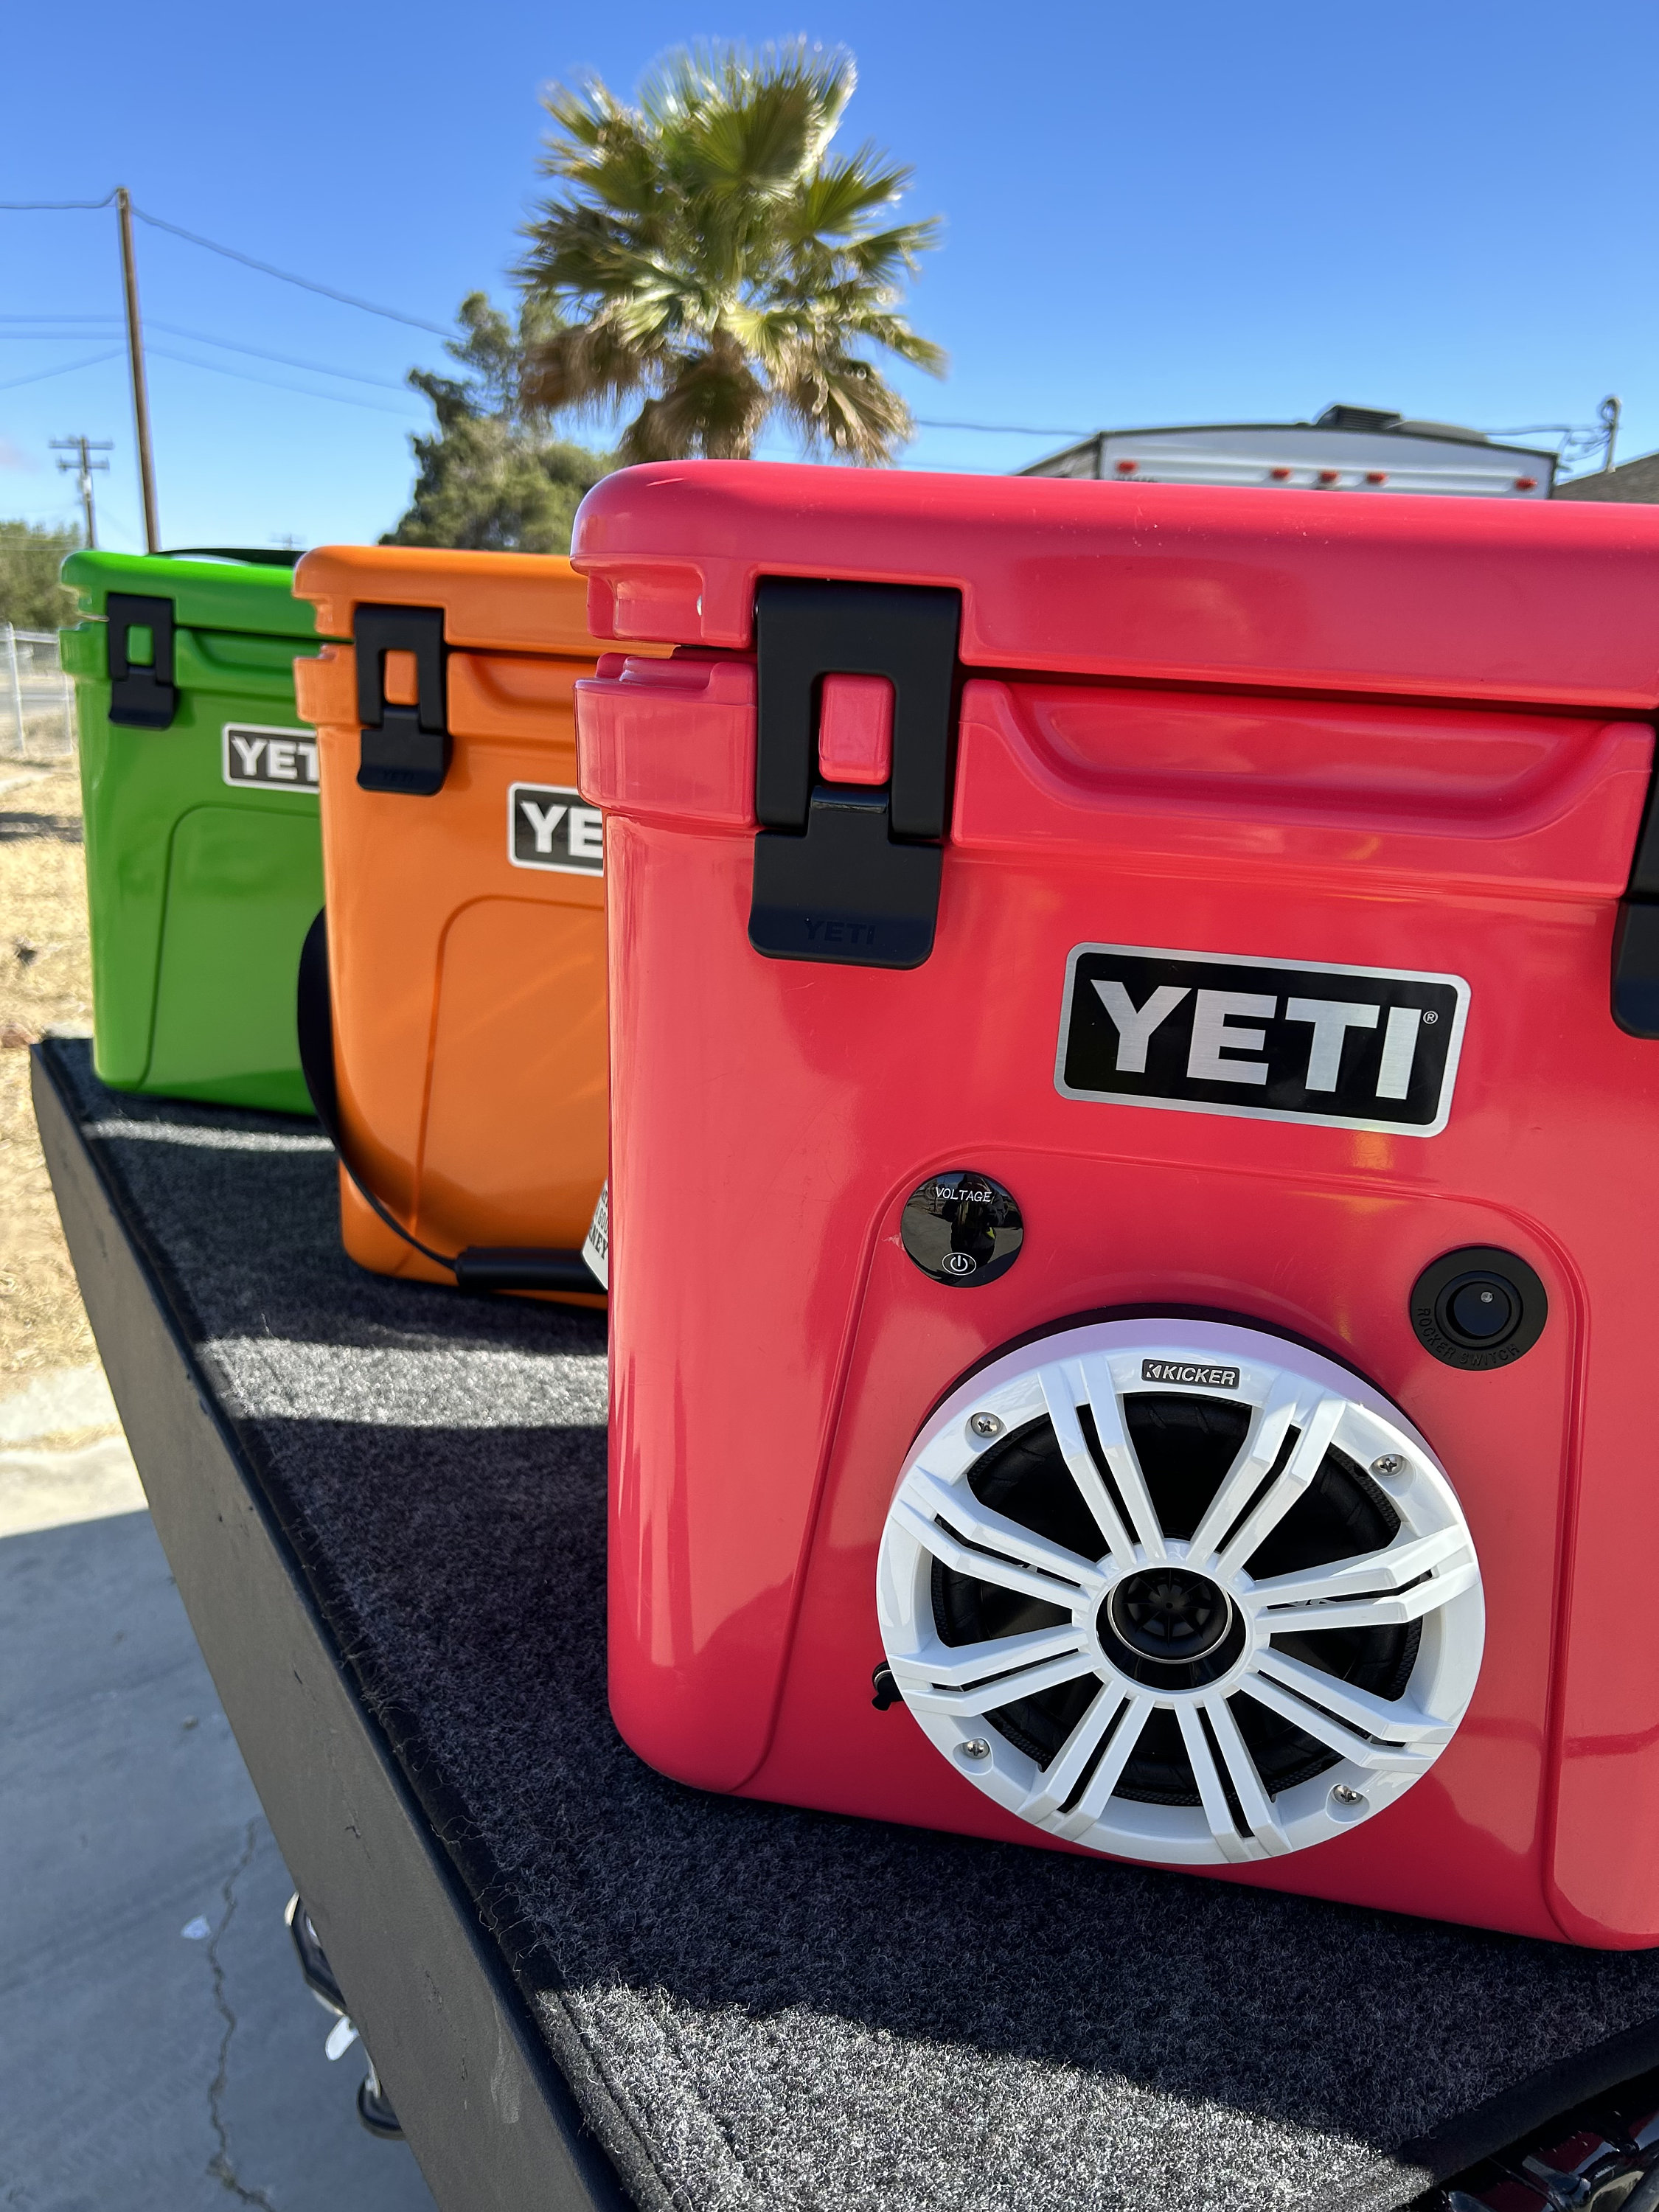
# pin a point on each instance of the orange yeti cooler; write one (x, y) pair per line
(452, 1009)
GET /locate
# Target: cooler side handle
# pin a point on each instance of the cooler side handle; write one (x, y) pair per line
(1567, 835)
(479, 1266)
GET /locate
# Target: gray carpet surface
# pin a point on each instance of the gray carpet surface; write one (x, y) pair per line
(762, 2007)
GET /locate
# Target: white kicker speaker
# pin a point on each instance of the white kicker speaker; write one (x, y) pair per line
(1180, 1592)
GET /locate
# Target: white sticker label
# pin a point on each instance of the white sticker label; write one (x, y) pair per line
(548, 826)
(260, 758)
(597, 1250)
(1338, 1046)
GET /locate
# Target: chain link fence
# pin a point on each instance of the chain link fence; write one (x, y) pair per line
(37, 699)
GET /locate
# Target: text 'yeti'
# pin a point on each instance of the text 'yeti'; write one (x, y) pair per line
(1220, 1033)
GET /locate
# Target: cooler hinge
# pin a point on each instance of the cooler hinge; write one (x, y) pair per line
(850, 872)
(1636, 934)
(141, 693)
(405, 744)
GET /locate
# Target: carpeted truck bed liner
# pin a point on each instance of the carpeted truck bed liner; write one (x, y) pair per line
(757, 2007)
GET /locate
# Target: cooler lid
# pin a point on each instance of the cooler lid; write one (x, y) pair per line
(501, 602)
(253, 597)
(1339, 591)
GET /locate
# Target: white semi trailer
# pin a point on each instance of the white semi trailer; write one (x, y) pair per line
(1347, 449)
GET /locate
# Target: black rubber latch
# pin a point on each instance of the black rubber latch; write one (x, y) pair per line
(404, 749)
(523, 1267)
(141, 693)
(851, 873)
(885, 1685)
(1636, 934)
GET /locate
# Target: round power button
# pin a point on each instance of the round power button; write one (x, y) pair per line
(963, 1228)
(1478, 1308)
(1481, 1311)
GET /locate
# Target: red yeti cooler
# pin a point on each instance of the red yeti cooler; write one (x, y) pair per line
(1135, 1105)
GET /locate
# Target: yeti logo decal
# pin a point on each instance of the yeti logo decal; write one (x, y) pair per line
(549, 827)
(260, 758)
(1270, 1040)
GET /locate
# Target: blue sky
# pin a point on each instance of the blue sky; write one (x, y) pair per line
(1151, 215)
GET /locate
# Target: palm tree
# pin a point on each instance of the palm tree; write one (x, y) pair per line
(708, 260)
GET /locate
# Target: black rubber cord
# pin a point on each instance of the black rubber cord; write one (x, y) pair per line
(481, 1266)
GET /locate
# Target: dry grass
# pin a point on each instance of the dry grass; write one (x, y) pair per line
(45, 984)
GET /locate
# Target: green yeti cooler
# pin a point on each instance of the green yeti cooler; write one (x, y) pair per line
(203, 859)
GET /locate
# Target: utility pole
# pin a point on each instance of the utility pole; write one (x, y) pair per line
(136, 358)
(1609, 412)
(83, 465)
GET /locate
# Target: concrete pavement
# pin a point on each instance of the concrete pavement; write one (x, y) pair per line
(62, 1457)
(158, 2050)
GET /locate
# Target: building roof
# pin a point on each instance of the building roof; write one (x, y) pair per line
(1638, 479)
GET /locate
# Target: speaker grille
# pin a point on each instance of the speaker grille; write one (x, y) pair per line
(1203, 1603)
(1185, 1446)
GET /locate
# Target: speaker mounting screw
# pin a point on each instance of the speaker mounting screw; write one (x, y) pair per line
(1387, 1463)
(975, 1748)
(984, 1425)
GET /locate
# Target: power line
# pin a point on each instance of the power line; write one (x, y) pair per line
(1026, 430)
(390, 314)
(115, 515)
(233, 253)
(390, 384)
(939, 469)
(270, 384)
(997, 429)
(68, 368)
(287, 277)
(204, 338)
(35, 207)
(285, 361)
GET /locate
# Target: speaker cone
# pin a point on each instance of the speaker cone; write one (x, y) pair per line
(1217, 1620)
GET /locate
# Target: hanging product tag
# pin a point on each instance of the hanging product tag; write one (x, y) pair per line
(597, 1249)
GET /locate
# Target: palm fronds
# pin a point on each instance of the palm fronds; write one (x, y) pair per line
(703, 260)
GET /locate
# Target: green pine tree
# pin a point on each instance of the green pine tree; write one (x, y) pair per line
(491, 478)
(30, 554)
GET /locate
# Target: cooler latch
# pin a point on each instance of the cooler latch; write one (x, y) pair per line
(405, 742)
(849, 871)
(1636, 935)
(142, 692)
